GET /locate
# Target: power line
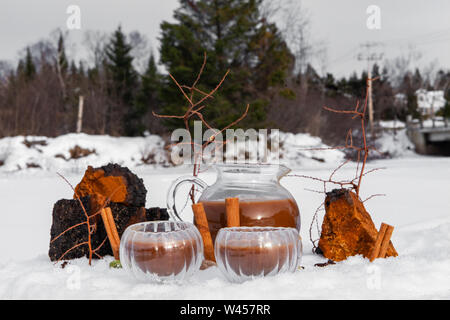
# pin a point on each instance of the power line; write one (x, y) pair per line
(346, 55)
(421, 39)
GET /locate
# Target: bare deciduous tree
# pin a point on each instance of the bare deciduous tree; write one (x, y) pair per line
(95, 43)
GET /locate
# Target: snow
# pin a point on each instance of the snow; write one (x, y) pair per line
(438, 122)
(53, 154)
(433, 99)
(416, 203)
(391, 124)
(395, 144)
(303, 149)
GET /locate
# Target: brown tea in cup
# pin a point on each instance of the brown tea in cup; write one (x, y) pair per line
(244, 253)
(254, 260)
(161, 250)
(162, 258)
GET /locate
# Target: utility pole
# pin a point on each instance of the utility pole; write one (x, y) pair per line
(367, 53)
(80, 113)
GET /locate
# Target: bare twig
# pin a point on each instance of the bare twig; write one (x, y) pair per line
(194, 110)
(362, 153)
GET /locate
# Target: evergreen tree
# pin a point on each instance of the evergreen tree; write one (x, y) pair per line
(313, 77)
(73, 69)
(355, 86)
(62, 66)
(443, 84)
(26, 67)
(445, 112)
(122, 80)
(409, 86)
(148, 96)
(20, 68)
(383, 95)
(234, 36)
(81, 71)
(417, 80)
(62, 59)
(330, 84)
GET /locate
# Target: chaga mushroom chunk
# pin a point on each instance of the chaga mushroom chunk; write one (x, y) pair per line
(126, 193)
(347, 227)
(69, 213)
(115, 182)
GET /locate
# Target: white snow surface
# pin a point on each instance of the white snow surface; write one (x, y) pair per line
(416, 203)
(395, 143)
(53, 154)
(430, 99)
(391, 124)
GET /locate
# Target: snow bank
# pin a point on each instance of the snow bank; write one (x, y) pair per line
(74, 152)
(395, 144)
(60, 153)
(391, 124)
(303, 149)
(30, 152)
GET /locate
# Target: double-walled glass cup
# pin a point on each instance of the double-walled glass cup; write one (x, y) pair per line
(244, 253)
(161, 250)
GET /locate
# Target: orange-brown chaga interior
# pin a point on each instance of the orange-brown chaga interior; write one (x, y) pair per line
(95, 182)
(112, 181)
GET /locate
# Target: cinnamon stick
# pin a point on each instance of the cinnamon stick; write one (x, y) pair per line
(386, 241)
(203, 227)
(232, 212)
(111, 231)
(376, 248)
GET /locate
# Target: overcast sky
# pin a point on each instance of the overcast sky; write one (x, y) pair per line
(339, 24)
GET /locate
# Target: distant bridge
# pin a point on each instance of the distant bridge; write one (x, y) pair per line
(430, 137)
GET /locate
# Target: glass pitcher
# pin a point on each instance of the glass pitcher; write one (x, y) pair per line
(262, 200)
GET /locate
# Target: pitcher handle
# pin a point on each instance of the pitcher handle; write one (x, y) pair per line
(171, 194)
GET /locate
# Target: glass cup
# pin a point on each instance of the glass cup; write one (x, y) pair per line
(244, 253)
(161, 250)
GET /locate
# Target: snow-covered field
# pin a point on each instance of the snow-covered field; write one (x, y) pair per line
(417, 203)
(74, 152)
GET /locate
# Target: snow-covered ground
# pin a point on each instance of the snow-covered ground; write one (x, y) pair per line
(395, 144)
(416, 203)
(73, 152)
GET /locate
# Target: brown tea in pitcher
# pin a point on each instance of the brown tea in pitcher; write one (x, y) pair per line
(252, 213)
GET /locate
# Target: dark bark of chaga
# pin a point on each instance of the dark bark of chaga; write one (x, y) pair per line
(347, 227)
(67, 213)
(125, 216)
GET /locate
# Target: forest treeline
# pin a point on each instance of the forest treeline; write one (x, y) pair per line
(269, 69)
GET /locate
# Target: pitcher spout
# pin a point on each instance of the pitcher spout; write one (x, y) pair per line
(282, 171)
